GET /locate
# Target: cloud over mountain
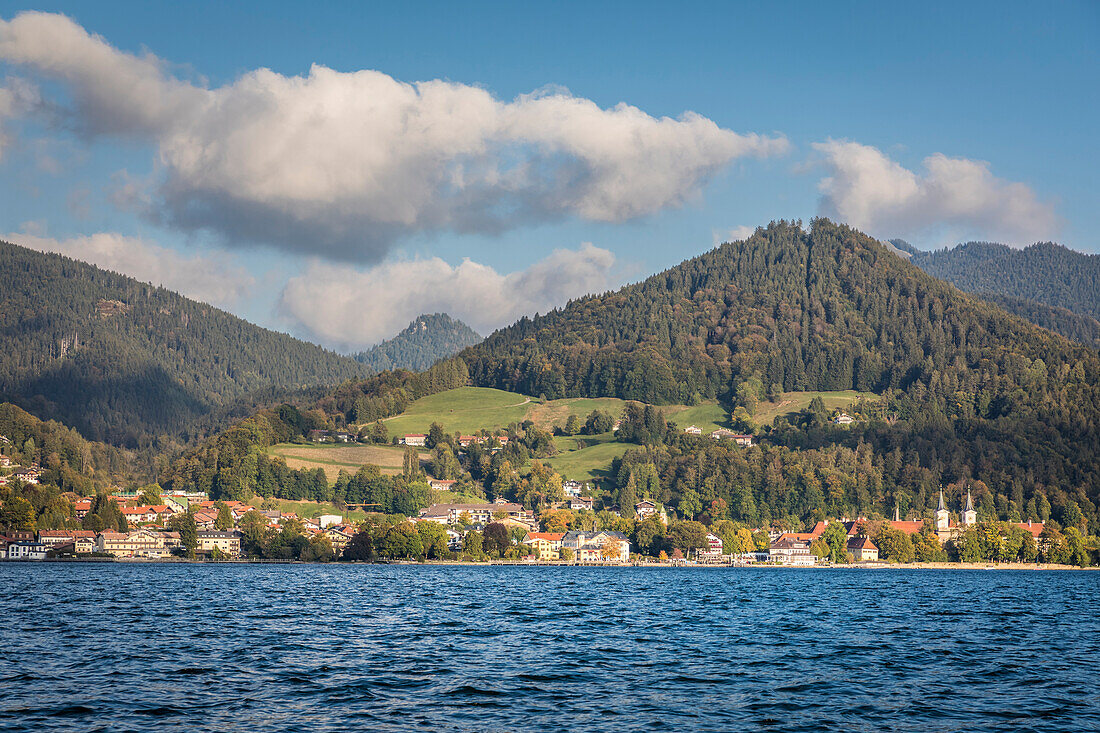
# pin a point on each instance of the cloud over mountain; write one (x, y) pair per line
(343, 164)
(351, 309)
(870, 191)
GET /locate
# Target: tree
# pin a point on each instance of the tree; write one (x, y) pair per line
(188, 530)
(572, 425)
(359, 548)
(687, 535)
(836, 538)
(17, 513)
(255, 533)
(893, 544)
(435, 436)
(566, 554)
(472, 543)
(433, 539)
(411, 465)
(224, 520)
(497, 538)
(320, 549)
(151, 494)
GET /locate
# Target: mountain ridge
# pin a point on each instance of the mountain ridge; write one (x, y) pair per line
(427, 339)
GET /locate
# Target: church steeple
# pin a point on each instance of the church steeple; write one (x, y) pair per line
(943, 517)
(969, 515)
(897, 513)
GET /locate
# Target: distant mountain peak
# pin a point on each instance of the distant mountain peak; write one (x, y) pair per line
(427, 339)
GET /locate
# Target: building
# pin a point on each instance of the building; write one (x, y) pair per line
(597, 547)
(573, 489)
(465, 441)
(843, 418)
(27, 550)
(227, 542)
(329, 520)
(414, 439)
(862, 549)
(139, 543)
(545, 545)
(441, 484)
(742, 439)
(692, 430)
(645, 508)
(791, 549)
(340, 535)
(712, 552)
(579, 503)
(478, 513)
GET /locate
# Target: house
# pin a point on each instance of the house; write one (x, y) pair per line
(454, 540)
(205, 519)
(597, 547)
(546, 545)
(5, 462)
(741, 439)
(139, 543)
(344, 437)
(138, 514)
(577, 503)
(163, 512)
(843, 418)
(645, 508)
(712, 552)
(573, 489)
(329, 520)
(478, 513)
(790, 549)
(54, 537)
(692, 430)
(227, 542)
(441, 485)
(81, 508)
(318, 435)
(862, 549)
(414, 439)
(27, 550)
(465, 441)
(27, 475)
(340, 535)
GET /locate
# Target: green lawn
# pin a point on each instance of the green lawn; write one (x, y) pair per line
(708, 415)
(334, 458)
(465, 410)
(311, 509)
(792, 402)
(587, 457)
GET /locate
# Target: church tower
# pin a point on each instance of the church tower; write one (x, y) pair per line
(970, 517)
(943, 517)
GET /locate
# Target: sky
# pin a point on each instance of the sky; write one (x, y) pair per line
(333, 170)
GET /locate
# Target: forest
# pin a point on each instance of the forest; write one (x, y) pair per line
(135, 365)
(425, 341)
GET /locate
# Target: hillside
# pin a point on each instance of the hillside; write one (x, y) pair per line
(122, 361)
(769, 334)
(977, 392)
(425, 341)
(1044, 273)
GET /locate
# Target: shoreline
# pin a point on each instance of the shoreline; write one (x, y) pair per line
(641, 566)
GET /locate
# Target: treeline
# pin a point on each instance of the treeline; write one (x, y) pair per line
(124, 362)
(425, 341)
(1074, 326)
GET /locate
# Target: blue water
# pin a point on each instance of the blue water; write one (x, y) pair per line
(117, 647)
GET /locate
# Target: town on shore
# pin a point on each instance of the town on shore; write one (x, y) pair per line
(574, 526)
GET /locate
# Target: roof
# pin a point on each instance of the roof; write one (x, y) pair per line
(436, 509)
(416, 435)
(214, 534)
(861, 543)
(548, 536)
(1035, 528)
(908, 527)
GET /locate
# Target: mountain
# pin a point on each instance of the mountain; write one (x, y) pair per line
(122, 361)
(1045, 273)
(427, 339)
(1064, 322)
(973, 393)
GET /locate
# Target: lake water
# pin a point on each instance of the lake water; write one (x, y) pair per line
(121, 647)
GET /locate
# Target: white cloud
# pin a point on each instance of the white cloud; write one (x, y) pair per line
(736, 234)
(352, 309)
(342, 164)
(212, 279)
(870, 191)
(16, 98)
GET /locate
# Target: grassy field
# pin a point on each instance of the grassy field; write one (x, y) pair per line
(708, 416)
(792, 402)
(587, 457)
(555, 412)
(310, 509)
(334, 458)
(465, 410)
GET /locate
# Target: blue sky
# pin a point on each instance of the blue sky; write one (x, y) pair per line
(936, 122)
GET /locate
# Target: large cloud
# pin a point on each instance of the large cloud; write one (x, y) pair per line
(212, 279)
(956, 196)
(342, 164)
(351, 309)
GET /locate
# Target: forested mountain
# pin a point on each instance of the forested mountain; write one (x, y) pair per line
(972, 392)
(1045, 273)
(427, 339)
(121, 361)
(1059, 320)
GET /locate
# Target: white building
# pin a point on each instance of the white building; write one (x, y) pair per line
(27, 551)
(328, 520)
(790, 550)
(414, 439)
